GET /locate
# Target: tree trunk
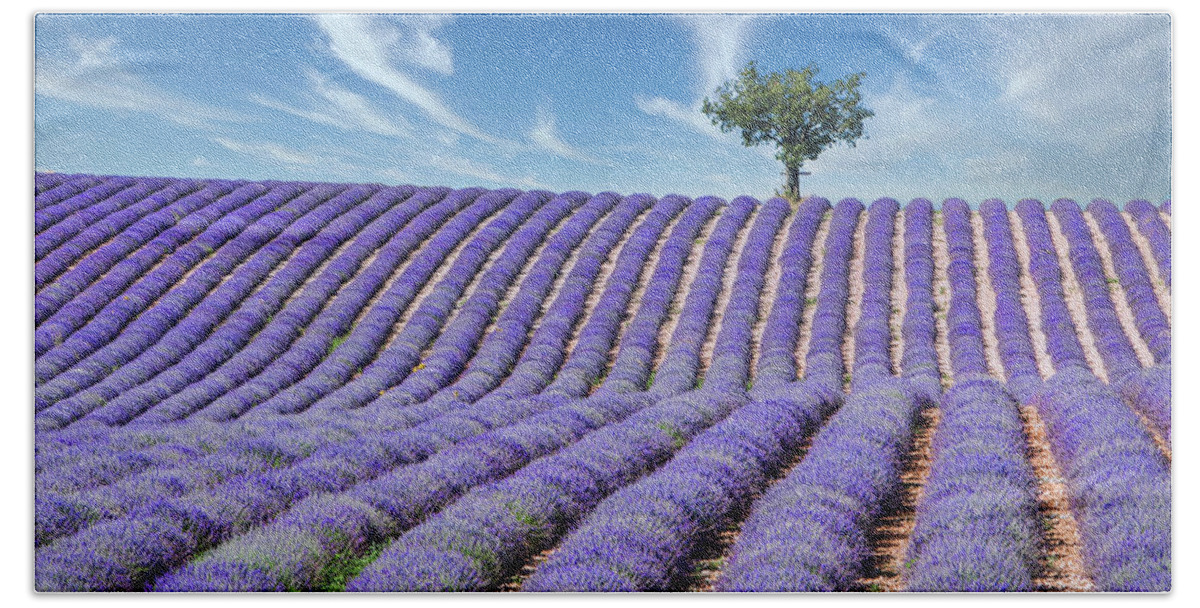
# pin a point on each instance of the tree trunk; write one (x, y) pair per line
(792, 188)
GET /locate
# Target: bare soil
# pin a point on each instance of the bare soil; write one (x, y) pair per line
(1075, 304)
(899, 295)
(527, 570)
(1116, 293)
(812, 291)
(1161, 291)
(855, 292)
(985, 298)
(889, 537)
(1062, 566)
(728, 277)
(1031, 299)
(941, 298)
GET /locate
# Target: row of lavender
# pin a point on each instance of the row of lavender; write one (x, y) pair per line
(446, 439)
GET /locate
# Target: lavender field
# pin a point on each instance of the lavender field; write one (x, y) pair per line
(295, 386)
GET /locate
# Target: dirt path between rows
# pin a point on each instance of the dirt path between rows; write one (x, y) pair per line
(766, 300)
(1031, 299)
(889, 537)
(854, 293)
(941, 298)
(811, 291)
(1073, 294)
(899, 295)
(690, 270)
(1061, 565)
(728, 278)
(1116, 293)
(985, 298)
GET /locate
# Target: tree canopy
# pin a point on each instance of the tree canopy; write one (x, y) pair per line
(800, 116)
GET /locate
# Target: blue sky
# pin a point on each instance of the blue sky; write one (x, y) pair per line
(977, 106)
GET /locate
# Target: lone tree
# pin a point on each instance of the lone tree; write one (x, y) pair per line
(800, 116)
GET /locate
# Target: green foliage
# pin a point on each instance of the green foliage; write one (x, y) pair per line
(800, 116)
(337, 342)
(347, 565)
(677, 437)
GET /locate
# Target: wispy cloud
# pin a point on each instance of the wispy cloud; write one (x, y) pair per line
(545, 135)
(687, 115)
(95, 73)
(720, 55)
(338, 107)
(269, 151)
(469, 168)
(1101, 82)
(720, 47)
(368, 44)
(421, 47)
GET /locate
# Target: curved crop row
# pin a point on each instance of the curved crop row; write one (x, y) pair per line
(286, 332)
(680, 365)
(50, 188)
(1135, 280)
(312, 355)
(124, 333)
(111, 208)
(1111, 339)
(729, 369)
(1010, 320)
(402, 352)
(777, 358)
(919, 361)
(1061, 340)
(641, 537)
(626, 449)
(447, 428)
(82, 247)
(544, 352)
(113, 267)
(634, 363)
(297, 291)
(301, 480)
(873, 332)
(1152, 226)
(96, 198)
(94, 318)
(258, 285)
(450, 468)
(1118, 486)
(267, 386)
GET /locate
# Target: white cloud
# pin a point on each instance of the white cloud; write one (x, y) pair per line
(690, 116)
(1100, 84)
(269, 151)
(545, 135)
(720, 55)
(98, 75)
(421, 47)
(338, 107)
(469, 168)
(367, 46)
(720, 45)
